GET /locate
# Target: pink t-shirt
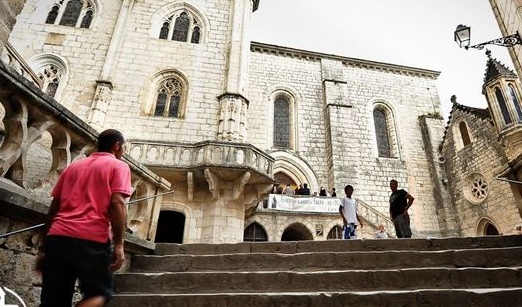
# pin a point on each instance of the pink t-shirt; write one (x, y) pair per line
(84, 189)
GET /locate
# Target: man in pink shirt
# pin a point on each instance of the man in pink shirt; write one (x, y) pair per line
(88, 201)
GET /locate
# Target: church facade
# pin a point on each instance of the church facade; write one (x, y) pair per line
(222, 118)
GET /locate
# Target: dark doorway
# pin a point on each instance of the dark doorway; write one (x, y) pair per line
(491, 230)
(170, 227)
(296, 232)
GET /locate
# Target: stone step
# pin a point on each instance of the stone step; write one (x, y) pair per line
(328, 281)
(433, 298)
(340, 245)
(491, 257)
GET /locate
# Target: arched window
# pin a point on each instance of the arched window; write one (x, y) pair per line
(52, 71)
(51, 17)
(164, 33)
(335, 233)
(86, 20)
(169, 97)
(464, 134)
(50, 76)
(381, 133)
(195, 36)
(255, 233)
(281, 123)
(386, 140)
(502, 105)
(514, 99)
(181, 27)
(185, 28)
(72, 13)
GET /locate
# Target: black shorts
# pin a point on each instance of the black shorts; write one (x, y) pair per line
(67, 259)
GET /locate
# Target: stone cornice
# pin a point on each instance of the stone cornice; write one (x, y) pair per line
(317, 56)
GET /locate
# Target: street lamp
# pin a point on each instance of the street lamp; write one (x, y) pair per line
(463, 35)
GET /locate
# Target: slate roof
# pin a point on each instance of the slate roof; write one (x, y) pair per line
(495, 69)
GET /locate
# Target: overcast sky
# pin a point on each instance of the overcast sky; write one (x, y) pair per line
(416, 33)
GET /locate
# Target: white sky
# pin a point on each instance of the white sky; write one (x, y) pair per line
(416, 33)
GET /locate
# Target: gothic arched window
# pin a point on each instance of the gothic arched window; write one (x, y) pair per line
(502, 104)
(335, 233)
(514, 99)
(169, 98)
(72, 13)
(182, 26)
(50, 76)
(255, 233)
(51, 17)
(195, 36)
(86, 20)
(281, 123)
(164, 32)
(464, 134)
(382, 134)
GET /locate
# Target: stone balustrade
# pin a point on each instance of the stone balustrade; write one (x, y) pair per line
(39, 139)
(11, 58)
(202, 155)
(375, 217)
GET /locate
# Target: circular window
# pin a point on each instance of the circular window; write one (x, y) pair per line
(476, 189)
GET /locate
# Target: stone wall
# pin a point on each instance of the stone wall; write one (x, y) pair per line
(335, 134)
(17, 256)
(482, 159)
(9, 9)
(509, 18)
(333, 142)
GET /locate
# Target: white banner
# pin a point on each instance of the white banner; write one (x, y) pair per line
(308, 204)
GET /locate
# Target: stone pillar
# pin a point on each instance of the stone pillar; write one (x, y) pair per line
(10, 9)
(100, 104)
(232, 118)
(103, 94)
(233, 104)
(337, 110)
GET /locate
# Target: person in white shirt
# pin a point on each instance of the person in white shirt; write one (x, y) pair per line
(288, 190)
(348, 211)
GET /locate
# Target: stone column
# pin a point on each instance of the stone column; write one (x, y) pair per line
(232, 117)
(233, 104)
(100, 104)
(103, 93)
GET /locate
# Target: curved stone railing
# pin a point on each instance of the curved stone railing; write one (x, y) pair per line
(202, 154)
(40, 138)
(11, 58)
(375, 217)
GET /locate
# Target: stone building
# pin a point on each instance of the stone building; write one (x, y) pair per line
(219, 117)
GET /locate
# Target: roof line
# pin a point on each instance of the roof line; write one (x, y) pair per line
(312, 55)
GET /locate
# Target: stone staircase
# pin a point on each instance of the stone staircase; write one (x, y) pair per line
(480, 271)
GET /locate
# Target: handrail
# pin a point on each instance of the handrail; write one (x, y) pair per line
(43, 224)
(381, 217)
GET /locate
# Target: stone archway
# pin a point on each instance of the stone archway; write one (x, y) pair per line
(487, 227)
(255, 233)
(335, 233)
(296, 232)
(282, 179)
